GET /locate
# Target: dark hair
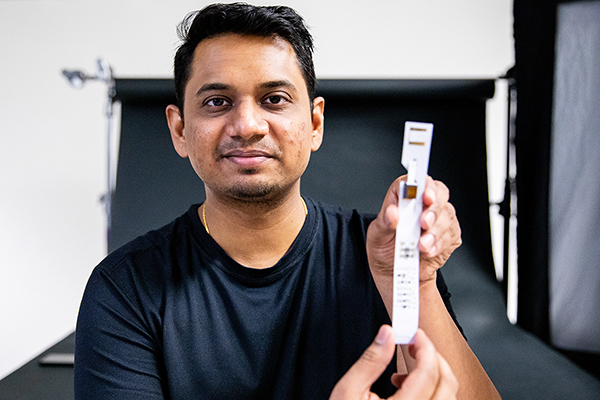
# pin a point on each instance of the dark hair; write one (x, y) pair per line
(244, 19)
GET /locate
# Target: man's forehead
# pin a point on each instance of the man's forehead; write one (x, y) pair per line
(232, 43)
(217, 57)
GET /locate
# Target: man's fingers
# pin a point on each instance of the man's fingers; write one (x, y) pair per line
(392, 216)
(385, 224)
(448, 384)
(357, 382)
(442, 234)
(422, 382)
(441, 230)
(435, 198)
(432, 378)
(398, 379)
(435, 191)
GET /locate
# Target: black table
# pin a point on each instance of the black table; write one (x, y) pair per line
(42, 378)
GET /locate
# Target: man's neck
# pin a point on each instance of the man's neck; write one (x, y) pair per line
(256, 235)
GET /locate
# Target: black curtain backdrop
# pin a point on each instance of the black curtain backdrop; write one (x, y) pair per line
(534, 32)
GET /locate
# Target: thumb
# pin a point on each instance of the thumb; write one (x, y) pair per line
(358, 380)
(382, 230)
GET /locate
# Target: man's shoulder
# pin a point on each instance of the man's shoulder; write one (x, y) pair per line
(154, 245)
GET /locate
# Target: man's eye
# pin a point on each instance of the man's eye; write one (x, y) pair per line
(275, 99)
(216, 102)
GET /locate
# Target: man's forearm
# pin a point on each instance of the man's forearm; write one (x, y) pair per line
(437, 323)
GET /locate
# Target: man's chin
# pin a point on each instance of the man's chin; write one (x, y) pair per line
(254, 193)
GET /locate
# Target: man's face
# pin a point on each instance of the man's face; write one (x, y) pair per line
(248, 127)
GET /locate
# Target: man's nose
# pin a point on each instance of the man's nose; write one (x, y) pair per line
(248, 121)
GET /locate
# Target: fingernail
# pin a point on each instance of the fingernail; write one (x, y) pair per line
(427, 241)
(430, 218)
(381, 337)
(431, 194)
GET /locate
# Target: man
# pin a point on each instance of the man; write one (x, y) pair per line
(258, 292)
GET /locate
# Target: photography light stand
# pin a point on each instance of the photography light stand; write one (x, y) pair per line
(508, 206)
(104, 74)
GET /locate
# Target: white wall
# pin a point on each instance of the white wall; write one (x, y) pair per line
(52, 145)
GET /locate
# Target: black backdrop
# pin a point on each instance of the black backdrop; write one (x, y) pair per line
(535, 30)
(359, 158)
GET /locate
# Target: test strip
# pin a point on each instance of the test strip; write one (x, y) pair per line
(415, 158)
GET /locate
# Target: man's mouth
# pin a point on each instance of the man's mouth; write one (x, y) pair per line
(247, 158)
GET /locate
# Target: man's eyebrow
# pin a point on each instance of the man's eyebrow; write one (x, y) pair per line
(283, 83)
(212, 86)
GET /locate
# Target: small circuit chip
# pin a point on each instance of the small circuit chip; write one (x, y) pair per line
(410, 192)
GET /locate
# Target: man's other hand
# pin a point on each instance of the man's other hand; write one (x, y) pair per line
(431, 379)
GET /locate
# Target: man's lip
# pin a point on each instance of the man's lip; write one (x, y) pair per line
(247, 158)
(246, 154)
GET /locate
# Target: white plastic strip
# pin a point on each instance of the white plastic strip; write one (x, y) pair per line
(415, 158)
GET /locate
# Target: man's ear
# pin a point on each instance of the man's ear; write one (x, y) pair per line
(176, 126)
(318, 121)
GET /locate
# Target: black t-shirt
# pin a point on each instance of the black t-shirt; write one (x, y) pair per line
(172, 316)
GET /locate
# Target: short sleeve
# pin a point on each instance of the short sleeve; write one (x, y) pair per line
(116, 356)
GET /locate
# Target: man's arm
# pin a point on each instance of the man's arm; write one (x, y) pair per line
(115, 357)
(440, 237)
